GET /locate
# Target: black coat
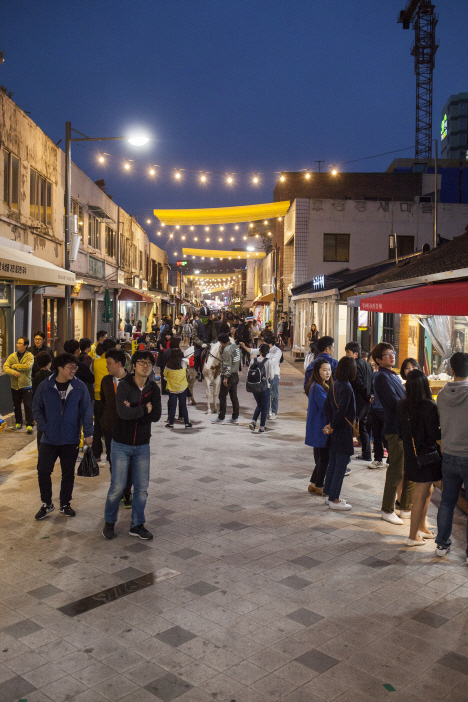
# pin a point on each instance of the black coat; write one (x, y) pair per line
(362, 386)
(35, 351)
(339, 407)
(423, 426)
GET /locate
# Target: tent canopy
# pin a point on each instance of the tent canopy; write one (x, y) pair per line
(445, 299)
(223, 215)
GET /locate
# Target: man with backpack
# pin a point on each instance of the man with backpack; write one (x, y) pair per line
(258, 384)
(230, 363)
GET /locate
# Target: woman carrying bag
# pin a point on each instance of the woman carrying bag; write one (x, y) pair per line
(340, 411)
(419, 428)
(316, 390)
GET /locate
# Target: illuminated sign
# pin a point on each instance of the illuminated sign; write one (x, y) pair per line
(443, 128)
(181, 263)
(319, 282)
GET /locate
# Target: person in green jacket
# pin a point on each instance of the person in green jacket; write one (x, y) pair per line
(19, 367)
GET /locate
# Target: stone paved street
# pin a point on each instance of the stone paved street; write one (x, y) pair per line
(261, 593)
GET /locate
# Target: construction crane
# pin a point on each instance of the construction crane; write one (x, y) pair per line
(420, 13)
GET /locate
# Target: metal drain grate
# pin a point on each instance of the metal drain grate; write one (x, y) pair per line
(286, 382)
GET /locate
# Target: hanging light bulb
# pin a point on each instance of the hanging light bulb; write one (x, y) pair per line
(162, 224)
(101, 159)
(250, 225)
(203, 178)
(159, 233)
(236, 227)
(183, 238)
(221, 229)
(265, 221)
(255, 179)
(229, 179)
(269, 234)
(279, 219)
(192, 228)
(282, 179)
(195, 238)
(244, 238)
(177, 175)
(207, 229)
(148, 221)
(152, 171)
(127, 166)
(220, 239)
(207, 238)
(334, 171)
(232, 238)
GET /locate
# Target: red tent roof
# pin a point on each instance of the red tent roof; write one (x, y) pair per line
(443, 299)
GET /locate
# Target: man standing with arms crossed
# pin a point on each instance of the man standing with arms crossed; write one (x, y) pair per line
(138, 404)
(19, 367)
(389, 388)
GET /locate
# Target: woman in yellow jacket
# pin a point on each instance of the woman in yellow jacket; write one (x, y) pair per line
(176, 379)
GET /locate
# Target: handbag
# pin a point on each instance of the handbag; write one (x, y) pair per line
(88, 467)
(427, 459)
(354, 425)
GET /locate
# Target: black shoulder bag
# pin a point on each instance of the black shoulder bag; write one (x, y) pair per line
(431, 459)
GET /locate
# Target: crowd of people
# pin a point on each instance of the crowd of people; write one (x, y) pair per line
(96, 394)
(361, 395)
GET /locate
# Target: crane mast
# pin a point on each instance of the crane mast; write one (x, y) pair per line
(420, 13)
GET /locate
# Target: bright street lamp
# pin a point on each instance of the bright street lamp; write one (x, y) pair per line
(136, 140)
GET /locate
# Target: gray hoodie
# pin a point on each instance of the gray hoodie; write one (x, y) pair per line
(452, 403)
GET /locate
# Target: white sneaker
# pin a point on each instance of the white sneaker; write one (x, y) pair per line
(443, 550)
(231, 421)
(102, 461)
(405, 514)
(341, 505)
(272, 416)
(217, 421)
(376, 464)
(391, 517)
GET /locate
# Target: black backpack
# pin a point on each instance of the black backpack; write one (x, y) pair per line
(256, 377)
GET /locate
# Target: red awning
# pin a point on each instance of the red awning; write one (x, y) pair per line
(444, 299)
(133, 296)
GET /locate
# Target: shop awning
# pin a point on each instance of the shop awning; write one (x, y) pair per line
(264, 299)
(445, 299)
(223, 215)
(128, 295)
(28, 268)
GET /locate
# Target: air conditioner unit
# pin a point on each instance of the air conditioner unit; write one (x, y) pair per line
(136, 282)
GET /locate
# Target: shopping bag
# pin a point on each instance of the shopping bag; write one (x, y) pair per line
(88, 467)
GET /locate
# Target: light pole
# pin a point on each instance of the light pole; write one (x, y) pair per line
(136, 141)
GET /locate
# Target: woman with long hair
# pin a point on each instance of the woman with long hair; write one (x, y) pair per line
(247, 340)
(419, 428)
(340, 411)
(176, 383)
(162, 345)
(316, 389)
(407, 366)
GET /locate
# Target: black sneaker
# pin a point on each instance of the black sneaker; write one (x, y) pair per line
(169, 426)
(140, 531)
(44, 511)
(68, 511)
(188, 426)
(127, 501)
(108, 531)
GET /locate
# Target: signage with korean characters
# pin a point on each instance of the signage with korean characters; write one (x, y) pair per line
(371, 306)
(13, 269)
(95, 267)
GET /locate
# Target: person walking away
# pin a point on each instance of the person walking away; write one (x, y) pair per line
(260, 368)
(100, 370)
(452, 402)
(378, 422)
(286, 331)
(200, 341)
(418, 424)
(325, 349)
(162, 346)
(115, 363)
(389, 389)
(138, 404)
(177, 386)
(340, 412)
(44, 363)
(362, 388)
(316, 389)
(101, 336)
(255, 333)
(38, 347)
(19, 367)
(230, 363)
(61, 406)
(83, 373)
(128, 327)
(85, 349)
(247, 340)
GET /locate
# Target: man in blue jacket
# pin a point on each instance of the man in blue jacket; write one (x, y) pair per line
(326, 349)
(61, 405)
(389, 389)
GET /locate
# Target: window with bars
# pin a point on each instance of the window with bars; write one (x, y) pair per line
(336, 247)
(11, 180)
(94, 232)
(110, 242)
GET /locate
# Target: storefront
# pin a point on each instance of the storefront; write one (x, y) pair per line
(133, 306)
(263, 309)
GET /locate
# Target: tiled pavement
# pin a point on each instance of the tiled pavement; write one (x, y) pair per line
(261, 592)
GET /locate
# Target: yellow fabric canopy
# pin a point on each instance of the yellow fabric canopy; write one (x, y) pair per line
(208, 253)
(264, 299)
(212, 276)
(223, 215)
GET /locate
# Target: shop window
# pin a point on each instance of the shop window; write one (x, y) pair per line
(40, 198)
(336, 247)
(94, 232)
(110, 242)
(388, 332)
(11, 180)
(141, 262)
(405, 246)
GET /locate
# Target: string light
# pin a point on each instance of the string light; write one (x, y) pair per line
(250, 225)
(307, 175)
(334, 171)
(183, 238)
(236, 227)
(159, 233)
(265, 221)
(229, 179)
(196, 238)
(127, 166)
(207, 229)
(221, 229)
(152, 171)
(255, 179)
(244, 238)
(101, 159)
(203, 178)
(282, 179)
(148, 221)
(177, 175)
(207, 238)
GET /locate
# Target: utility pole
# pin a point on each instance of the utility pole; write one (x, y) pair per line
(319, 162)
(435, 193)
(68, 311)
(275, 291)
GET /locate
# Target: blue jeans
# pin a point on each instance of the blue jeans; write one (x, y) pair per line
(336, 468)
(172, 406)
(274, 394)
(123, 457)
(263, 402)
(454, 475)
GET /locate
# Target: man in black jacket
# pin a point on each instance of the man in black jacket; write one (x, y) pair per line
(362, 386)
(115, 362)
(38, 347)
(138, 404)
(83, 373)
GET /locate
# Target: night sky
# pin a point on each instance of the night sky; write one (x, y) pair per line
(224, 85)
